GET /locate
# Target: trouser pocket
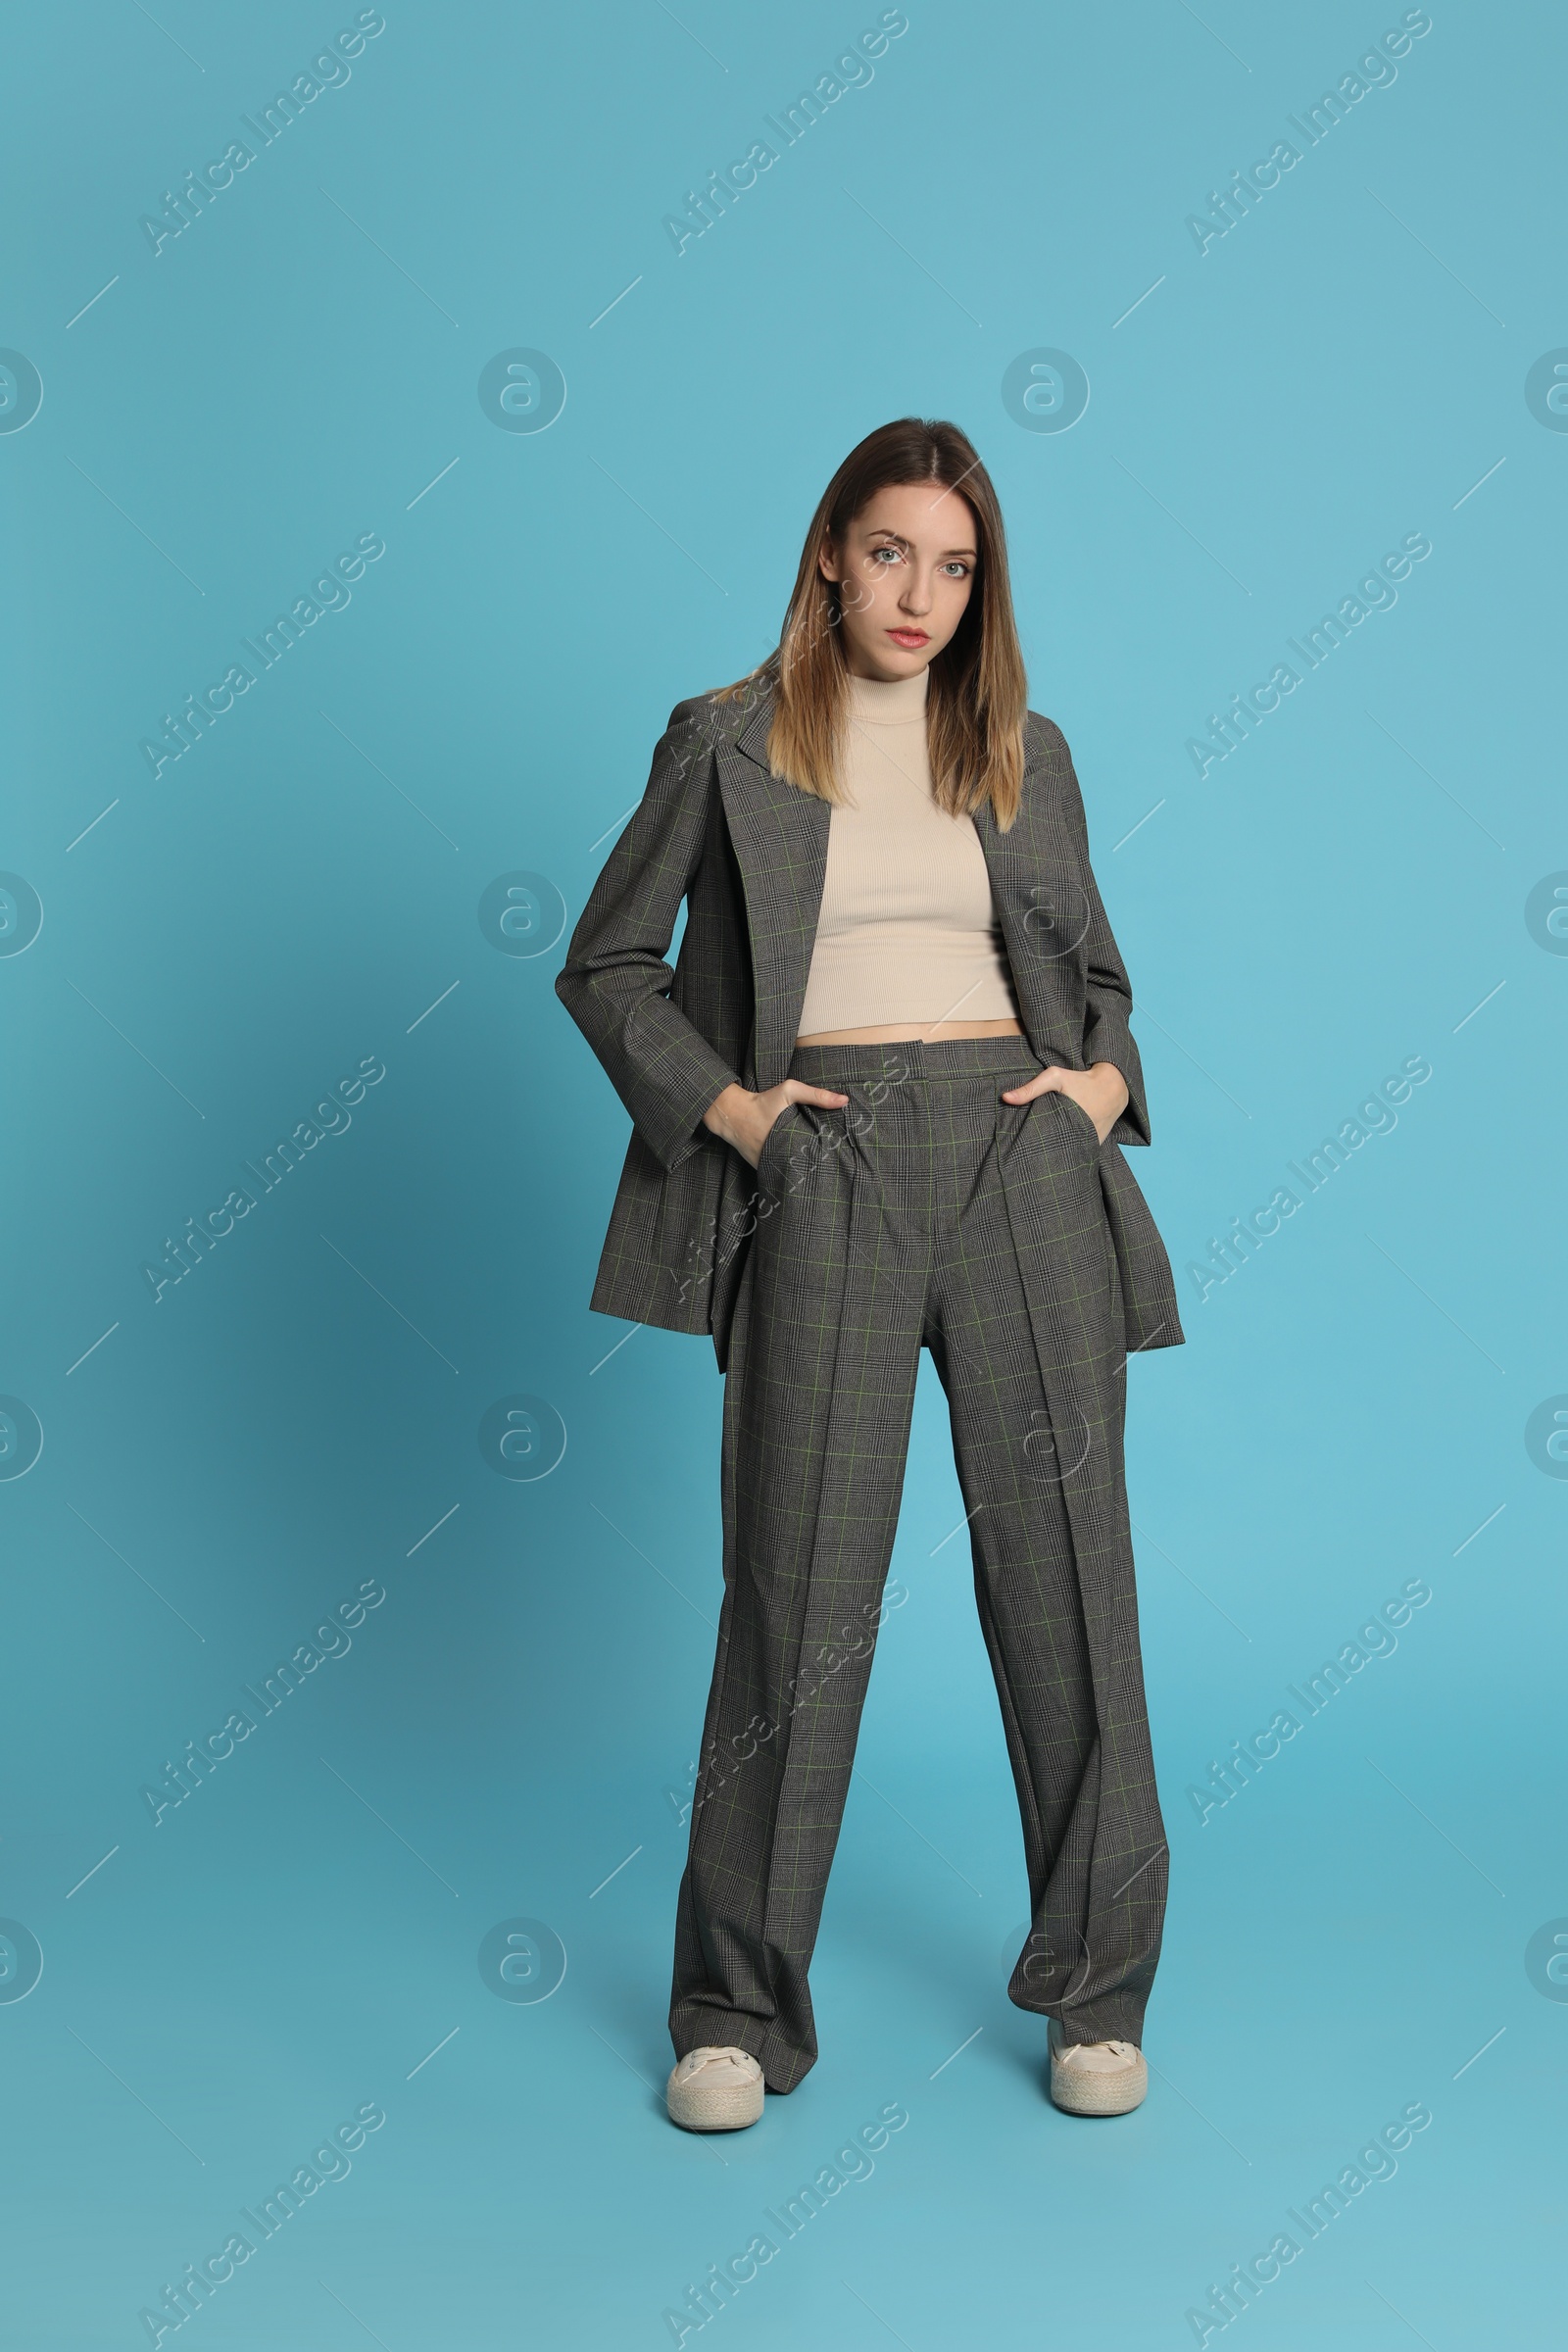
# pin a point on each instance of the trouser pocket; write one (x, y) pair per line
(772, 1165)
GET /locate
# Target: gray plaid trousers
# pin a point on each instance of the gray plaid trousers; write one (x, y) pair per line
(928, 1212)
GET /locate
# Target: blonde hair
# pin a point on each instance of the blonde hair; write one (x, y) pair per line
(977, 696)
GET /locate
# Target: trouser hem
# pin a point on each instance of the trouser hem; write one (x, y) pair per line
(707, 2027)
(1094, 2021)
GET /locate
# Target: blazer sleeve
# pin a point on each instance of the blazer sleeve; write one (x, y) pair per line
(1107, 1036)
(615, 982)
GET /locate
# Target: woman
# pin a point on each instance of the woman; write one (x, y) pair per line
(877, 1105)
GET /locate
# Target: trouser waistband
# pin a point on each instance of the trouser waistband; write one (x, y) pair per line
(909, 1058)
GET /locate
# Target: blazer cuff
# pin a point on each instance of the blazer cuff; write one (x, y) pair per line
(1104, 1042)
(675, 1093)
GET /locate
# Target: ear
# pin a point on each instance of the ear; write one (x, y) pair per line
(827, 561)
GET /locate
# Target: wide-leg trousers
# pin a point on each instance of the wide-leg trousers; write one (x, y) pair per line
(928, 1212)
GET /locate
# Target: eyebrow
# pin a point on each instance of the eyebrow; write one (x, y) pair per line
(881, 531)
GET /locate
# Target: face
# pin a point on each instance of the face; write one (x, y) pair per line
(906, 570)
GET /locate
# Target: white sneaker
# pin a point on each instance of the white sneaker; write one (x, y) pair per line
(1097, 2078)
(715, 2090)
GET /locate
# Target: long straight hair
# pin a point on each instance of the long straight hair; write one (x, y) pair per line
(977, 694)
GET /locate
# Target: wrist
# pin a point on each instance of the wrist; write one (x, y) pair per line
(716, 1118)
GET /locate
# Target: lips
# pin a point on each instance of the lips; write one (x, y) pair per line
(909, 637)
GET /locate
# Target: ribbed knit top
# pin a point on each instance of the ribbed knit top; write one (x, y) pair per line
(907, 931)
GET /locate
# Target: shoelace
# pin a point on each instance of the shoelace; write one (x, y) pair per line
(713, 2057)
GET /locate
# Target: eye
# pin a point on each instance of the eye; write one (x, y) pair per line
(956, 567)
(877, 553)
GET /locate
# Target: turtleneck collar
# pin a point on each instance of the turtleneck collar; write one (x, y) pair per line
(888, 701)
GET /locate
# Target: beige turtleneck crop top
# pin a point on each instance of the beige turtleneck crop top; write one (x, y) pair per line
(907, 931)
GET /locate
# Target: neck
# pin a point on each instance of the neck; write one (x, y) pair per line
(887, 701)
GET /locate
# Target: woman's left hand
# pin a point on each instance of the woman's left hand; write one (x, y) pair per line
(1101, 1091)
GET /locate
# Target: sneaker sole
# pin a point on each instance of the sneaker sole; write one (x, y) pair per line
(1099, 2094)
(710, 2109)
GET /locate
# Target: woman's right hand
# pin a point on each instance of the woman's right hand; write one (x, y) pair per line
(743, 1119)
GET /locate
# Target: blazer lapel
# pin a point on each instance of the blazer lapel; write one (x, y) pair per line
(1042, 911)
(779, 835)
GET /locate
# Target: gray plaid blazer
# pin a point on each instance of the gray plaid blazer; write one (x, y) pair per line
(747, 851)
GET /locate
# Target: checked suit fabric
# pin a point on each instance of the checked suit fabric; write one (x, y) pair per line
(929, 1213)
(746, 853)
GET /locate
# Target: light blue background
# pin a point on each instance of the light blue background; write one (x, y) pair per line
(302, 887)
